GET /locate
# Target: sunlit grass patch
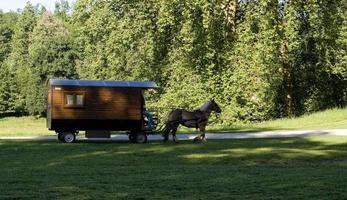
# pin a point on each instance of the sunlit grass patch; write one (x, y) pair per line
(23, 126)
(328, 119)
(286, 153)
(332, 118)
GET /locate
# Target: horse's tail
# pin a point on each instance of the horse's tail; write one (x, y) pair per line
(165, 128)
(166, 131)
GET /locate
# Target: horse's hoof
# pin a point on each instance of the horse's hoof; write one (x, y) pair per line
(196, 139)
(165, 139)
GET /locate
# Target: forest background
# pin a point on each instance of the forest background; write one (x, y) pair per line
(259, 60)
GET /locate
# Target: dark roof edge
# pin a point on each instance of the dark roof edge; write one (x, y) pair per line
(103, 83)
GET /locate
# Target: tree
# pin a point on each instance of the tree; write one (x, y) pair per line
(340, 67)
(116, 39)
(258, 59)
(252, 79)
(7, 21)
(52, 55)
(316, 87)
(62, 10)
(18, 61)
(7, 86)
(7, 92)
(184, 87)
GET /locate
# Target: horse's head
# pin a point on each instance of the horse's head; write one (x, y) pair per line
(215, 107)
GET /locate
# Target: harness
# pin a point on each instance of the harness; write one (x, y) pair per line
(199, 118)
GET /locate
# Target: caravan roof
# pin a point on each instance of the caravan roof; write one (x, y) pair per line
(101, 83)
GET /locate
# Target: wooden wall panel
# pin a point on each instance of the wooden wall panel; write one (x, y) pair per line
(100, 103)
(49, 110)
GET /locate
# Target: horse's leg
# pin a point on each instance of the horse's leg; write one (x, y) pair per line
(174, 130)
(202, 130)
(166, 138)
(198, 137)
(166, 132)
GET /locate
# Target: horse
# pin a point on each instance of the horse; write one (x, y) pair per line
(192, 119)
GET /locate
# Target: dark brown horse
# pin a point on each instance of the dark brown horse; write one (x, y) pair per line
(192, 119)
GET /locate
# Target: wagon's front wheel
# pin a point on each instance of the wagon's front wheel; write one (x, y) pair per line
(68, 137)
(132, 137)
(140, 138)
(60, 137)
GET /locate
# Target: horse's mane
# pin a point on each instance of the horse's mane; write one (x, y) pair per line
(204, 107)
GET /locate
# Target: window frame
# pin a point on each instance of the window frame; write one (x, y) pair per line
(74, 94)
(83, 99)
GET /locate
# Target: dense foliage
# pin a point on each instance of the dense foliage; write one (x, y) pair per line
(258, 59)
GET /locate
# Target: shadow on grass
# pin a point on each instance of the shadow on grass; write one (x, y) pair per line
(218, 169)
(279, 147)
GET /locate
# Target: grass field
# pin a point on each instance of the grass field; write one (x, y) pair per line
(301, 168)
(329, 119)
(23, 126)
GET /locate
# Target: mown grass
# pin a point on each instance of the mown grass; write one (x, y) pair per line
(329, 119)
(23, 126)
(292, 168)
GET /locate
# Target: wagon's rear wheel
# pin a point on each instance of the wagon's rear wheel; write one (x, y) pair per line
(140, 137)
(67, 137)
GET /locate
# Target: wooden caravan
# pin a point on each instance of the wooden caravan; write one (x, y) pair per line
(96, 107)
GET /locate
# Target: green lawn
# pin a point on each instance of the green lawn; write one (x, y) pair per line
(329, 119)
(23, 126)
(293, 168)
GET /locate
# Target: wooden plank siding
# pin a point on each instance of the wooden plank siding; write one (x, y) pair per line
(49, 105)
(102, 103)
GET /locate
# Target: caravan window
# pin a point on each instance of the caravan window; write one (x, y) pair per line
(69, 100)
(80, 100)
(74, 99)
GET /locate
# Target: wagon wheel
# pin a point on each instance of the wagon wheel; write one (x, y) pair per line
(68, 137)
(140, 137)
(132, 137)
